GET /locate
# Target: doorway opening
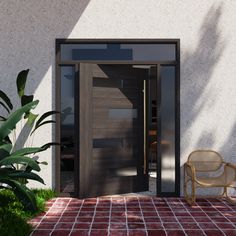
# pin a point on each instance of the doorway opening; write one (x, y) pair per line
(119, 123)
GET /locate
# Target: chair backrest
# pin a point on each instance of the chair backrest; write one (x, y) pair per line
(205, 160)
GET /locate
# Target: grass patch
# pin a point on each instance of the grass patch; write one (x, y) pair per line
(42, 195)
(13, 216)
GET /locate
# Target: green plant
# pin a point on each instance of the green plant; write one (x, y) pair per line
(42, 195)
(13, 219)
(13, 225)
(17, 166)
(13, 216)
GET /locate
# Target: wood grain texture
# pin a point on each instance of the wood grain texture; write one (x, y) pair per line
(118, 141)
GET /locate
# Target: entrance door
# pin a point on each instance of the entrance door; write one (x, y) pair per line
(111, 130)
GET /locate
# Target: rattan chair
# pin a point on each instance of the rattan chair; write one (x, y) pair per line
(207, 169)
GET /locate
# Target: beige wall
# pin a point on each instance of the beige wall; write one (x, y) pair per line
(208, 56)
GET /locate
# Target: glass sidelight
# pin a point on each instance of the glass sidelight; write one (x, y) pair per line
(167, 120)
(67, 74)
(162, 128)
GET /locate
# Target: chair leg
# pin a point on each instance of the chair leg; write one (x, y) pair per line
(193, 197)
(190, 199)
(224, 192)
(229, 198)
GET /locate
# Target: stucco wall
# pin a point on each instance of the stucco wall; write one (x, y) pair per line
(208, 56)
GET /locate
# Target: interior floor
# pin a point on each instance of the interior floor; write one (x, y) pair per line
(67, 188)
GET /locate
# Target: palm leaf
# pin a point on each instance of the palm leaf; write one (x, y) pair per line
(26, 151)
(31, 118)
(42, 163)
(45, 115)
(6, 140)
(25, 99)
(25, 175)
(42, 118)
(2, 118)
(14, 118)
(21, 81)
(41, 124)
(24, 194)
(20, 160)
(7, 109)
(5, 150)
(6, 99)
(48, 145)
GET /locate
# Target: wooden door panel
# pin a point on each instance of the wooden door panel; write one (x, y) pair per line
(108, 92)
(114, 133)
(120, 154)
(119, 144)
(104, 113)
(116, 130)
(114, 124)
(107, 71)
(121, 82)
(114, 103)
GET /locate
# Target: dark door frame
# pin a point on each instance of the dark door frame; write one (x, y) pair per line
(74, 63)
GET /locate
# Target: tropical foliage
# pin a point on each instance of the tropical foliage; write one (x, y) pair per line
(14, 217)
(18, 166)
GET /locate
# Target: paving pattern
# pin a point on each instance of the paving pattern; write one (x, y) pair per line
(135, 216)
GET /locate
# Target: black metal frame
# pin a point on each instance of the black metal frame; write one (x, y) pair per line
(175, 63)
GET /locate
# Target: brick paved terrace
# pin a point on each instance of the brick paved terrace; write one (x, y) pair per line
(135, 216)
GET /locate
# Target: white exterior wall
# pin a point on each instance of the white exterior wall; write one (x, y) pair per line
(206, 29)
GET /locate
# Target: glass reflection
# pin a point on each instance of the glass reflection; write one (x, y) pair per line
(152, 132)
(67, 129)
(168, 128)
(116, 51)
(123, 113)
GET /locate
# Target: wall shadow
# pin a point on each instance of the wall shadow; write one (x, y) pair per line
(198, 94)
(29, 32)
(208, 52)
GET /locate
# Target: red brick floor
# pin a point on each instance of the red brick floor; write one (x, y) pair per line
(135, 216)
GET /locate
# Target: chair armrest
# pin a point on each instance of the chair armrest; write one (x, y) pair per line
(190, 170)
(230, 171)
(231, 165)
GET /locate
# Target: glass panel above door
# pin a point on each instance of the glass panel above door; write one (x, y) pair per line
(117, 51)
